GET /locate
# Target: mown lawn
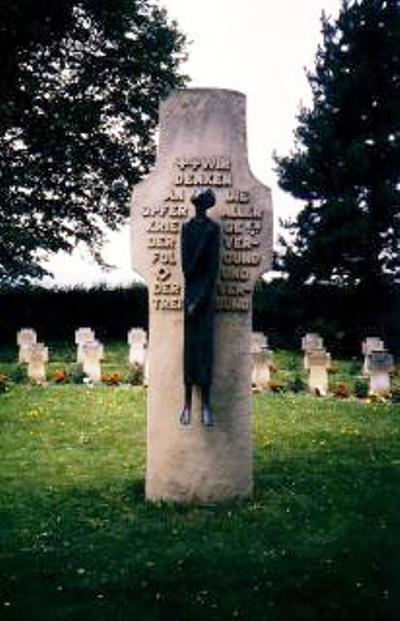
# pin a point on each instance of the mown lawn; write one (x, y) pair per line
(318, 540)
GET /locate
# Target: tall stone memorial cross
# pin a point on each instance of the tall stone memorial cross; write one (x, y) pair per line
(26, 337)
(202, 145)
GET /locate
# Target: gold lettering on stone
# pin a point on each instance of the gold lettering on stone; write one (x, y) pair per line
(233, 290)
(237, 196)
(167, 288)
(240, 243)
(160, 210)
(212, 162)
(233, 304)
(178, 211)
(241, 211)
(241, 258)
(217, 179)
(162, 241)
(165, 258)
(241, 274)
(175, 194)
(163, 226)
(167, 303)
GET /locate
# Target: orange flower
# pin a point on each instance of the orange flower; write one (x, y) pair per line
(60, 376)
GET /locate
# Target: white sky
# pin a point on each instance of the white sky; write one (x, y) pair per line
(259, 47)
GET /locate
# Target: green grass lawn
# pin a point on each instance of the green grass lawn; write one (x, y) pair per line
(318, 540)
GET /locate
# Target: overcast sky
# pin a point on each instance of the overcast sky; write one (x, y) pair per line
(259, 47)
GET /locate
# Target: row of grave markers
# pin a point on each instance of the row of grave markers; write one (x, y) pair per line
(378, 363)
(90, 352)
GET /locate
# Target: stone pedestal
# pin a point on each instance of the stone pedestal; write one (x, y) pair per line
(92, 354)
(309, 342)
(26, 337)
(261, 373)
(370, 344)
(202, 144)
(38, 355)
(319, 361)
(83, 335)
(380, 364)
(261, 361)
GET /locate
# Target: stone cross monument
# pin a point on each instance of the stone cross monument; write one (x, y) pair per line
(37, 358)
(202, 145)
(82, 336)
(26, 337)
(92, 353)
(380, 365)
(318, 364)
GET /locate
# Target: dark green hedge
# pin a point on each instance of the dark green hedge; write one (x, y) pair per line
(56, 314)
(343, 317)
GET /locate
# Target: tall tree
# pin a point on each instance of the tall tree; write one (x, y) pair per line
(346, 161)
(78, 112)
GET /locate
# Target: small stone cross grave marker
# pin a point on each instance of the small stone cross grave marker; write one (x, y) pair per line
(262, 359)
(202, 145)
(380, 365)
(311, 341)
(92, 354)
(83, 335)
(137, 341)
(319, 361)
(38, 355)
(370, 344)
(26, 337)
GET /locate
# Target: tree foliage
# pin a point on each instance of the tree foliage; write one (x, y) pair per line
(346, 161)
(78, 110)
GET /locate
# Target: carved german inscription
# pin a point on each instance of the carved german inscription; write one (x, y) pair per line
(241, 228)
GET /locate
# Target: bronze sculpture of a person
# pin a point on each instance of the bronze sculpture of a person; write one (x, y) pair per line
(200, 259)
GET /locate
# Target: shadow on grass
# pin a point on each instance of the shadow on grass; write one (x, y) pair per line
(318, 540)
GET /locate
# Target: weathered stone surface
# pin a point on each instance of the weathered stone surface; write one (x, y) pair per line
(38, 355)
(380, 364)
(370, 344)
(318, 363)
(258, 342)
(137, 340)
(309, 342)
(261, 372)
(202, 144)
(92, 354)
(312, 340)
(26, 337)
(83, 335)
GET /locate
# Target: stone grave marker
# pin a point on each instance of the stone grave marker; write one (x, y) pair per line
(262, 359)
(258, 341)
(311, 341)
(319, 362)
(370, 344)
(83, 335)
(26, 337)
(137, 341)
(38, 355)
(202, 145)
(92, 354)
(380, 365)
